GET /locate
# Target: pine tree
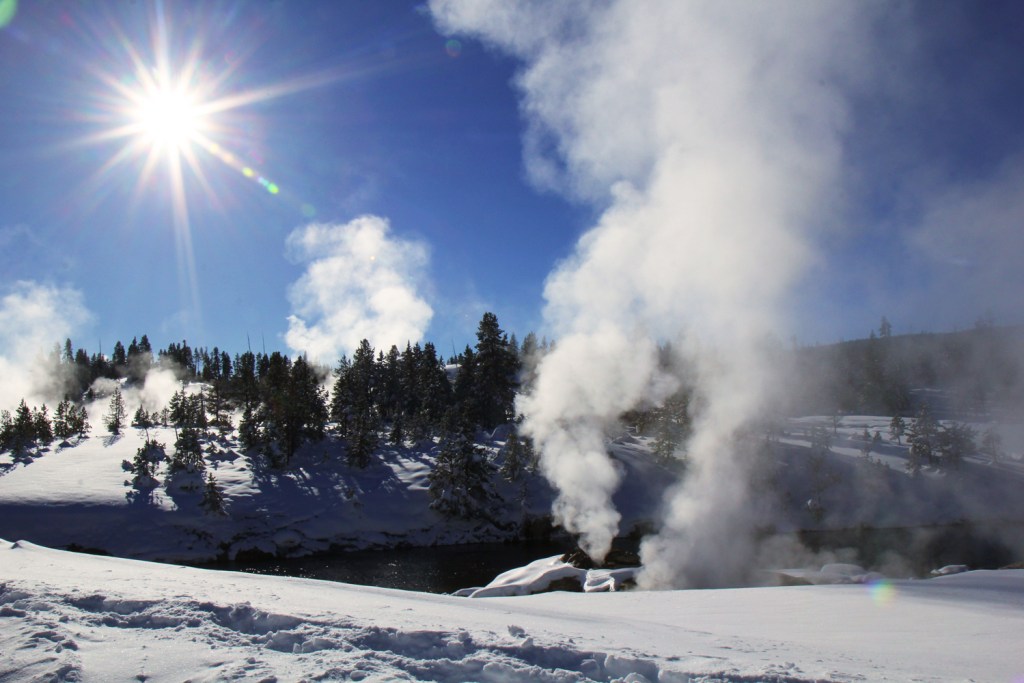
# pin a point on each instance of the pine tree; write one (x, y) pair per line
(459, 482)
(114, 419)
(145, 463)
(301, 414)
(897, 428)
(495, 374)
(672, 425)
(6, 430)
(63, 420)
(41, 427)
(515, 461)
(24, 428)
(354, 405)
(922, 436)
(81, 424)
(249, 433)
(187, 465)
(120, 358)
(954, 443)
(433, 389)
(142, 419)
(396, 437)
(529, 357)
(992, 445)
(213, 498)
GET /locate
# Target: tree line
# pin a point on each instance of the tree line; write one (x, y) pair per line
(376, 397)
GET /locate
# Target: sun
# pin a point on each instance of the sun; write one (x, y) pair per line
(169, 119)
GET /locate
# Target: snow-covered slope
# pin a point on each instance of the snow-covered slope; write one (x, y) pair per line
(76, 496)
(66, 616)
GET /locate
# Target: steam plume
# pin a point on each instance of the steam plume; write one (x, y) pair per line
(361, 282)
(711, 132)
(33, 319)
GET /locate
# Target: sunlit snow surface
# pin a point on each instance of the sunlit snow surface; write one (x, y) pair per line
(66, 616)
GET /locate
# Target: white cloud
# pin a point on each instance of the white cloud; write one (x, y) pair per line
(34, 318)
(361, 282)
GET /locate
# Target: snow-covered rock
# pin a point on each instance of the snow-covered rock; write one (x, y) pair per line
(540, 575)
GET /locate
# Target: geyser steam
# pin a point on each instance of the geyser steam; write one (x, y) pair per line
(711, 132)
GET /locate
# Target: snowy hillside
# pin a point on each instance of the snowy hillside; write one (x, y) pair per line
(66, 616)
(77, 495)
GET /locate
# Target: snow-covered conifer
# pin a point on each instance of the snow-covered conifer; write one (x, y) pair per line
(116, 413)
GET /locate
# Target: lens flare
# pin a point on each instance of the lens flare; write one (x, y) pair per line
(8, 8)
(882, 592)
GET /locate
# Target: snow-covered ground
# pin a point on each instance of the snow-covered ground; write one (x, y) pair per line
(76, 496)
(66, 616)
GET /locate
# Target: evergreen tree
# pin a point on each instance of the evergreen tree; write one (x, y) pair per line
(992, 445)
(821, 476)
(362, 441)
(19, 432)
(140, 360)
(115, 417)
(897, 428)
(396, 437)
(120, 358)
(6, 430)
(955, 442)
(529, 357)
(354, 406)
(434, 391)
(249, 433)
(80, 423)
(41, 427)
(244, 380)
(63, 420)
(466, 399)
(142, 419)
(145, 463)
(922, 436)
(302, 414)
(213, 497)
(495, 374)
(460, 480)
(515, 460)
(672, 425)
(187, 464)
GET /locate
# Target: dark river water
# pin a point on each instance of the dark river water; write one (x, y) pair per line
(444, 569)
(440, 569)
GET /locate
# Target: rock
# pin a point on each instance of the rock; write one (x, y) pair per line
(616, 559)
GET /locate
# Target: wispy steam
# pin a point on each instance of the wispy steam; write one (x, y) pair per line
(711, 132)
(361, 282)
(34, 319)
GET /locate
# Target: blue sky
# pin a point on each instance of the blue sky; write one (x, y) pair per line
(382, 115)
